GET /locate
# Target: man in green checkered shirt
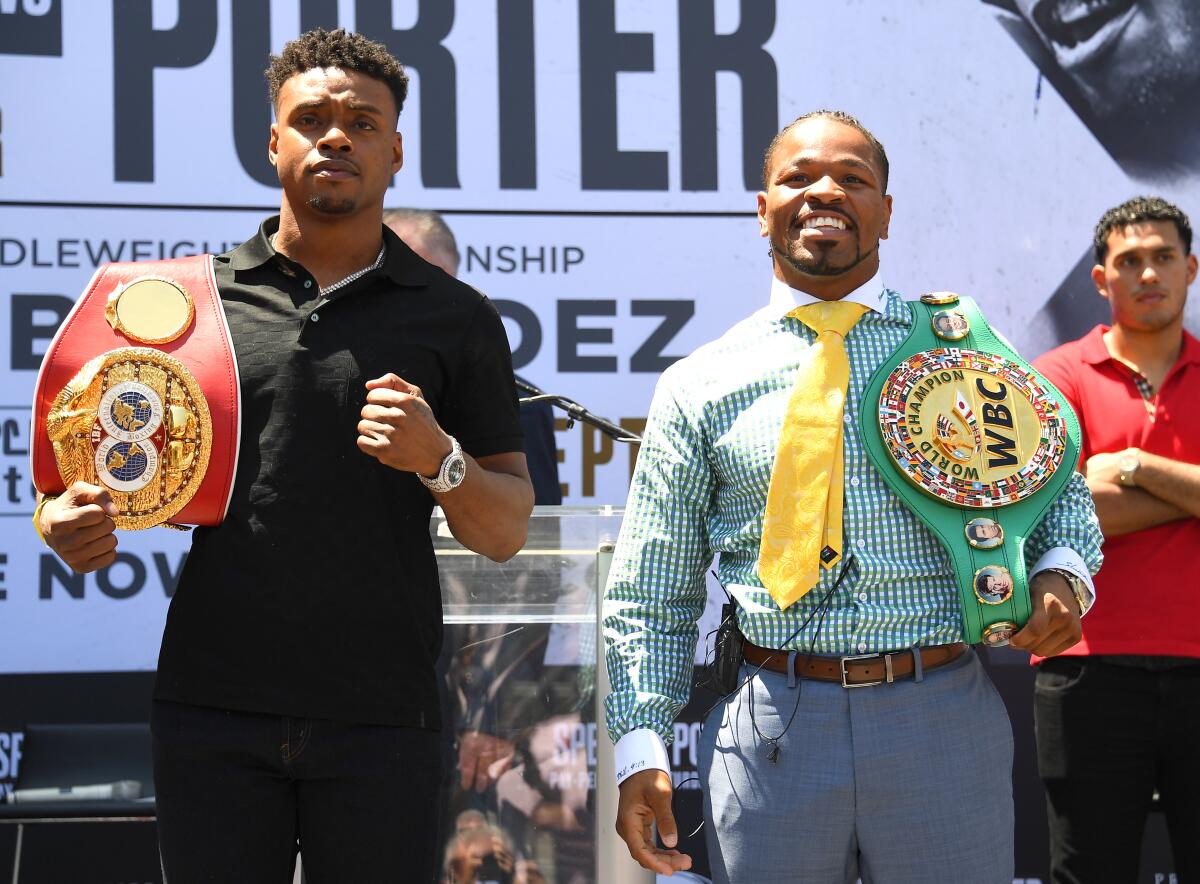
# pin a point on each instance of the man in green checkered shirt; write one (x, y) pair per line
(803, 779)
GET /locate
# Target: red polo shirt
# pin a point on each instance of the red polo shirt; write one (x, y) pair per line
(1148, 592)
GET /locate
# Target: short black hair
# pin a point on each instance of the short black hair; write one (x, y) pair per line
(840, 117)
(339, 48)
(1135, 211)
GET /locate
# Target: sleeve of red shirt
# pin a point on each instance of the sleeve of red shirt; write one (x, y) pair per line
(1059, 367)
(1070, 521)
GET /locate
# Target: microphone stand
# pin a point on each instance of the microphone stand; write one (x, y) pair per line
(576, 412)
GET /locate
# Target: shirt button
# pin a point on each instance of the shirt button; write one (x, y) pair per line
(316, 317)
(862, 596)
(862, 647)
(308, 283)
(854, 481)
(846, 418)
(860, 543)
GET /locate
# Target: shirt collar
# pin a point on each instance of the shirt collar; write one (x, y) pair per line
(1191, 349)
(785, 299)
(1095, 351)
(257, 250)
(401, 264)
(885, 303)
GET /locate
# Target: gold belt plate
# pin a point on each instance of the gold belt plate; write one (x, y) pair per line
(970, 428)
(135, 421)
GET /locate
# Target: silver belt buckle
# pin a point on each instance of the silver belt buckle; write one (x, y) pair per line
(887, 666)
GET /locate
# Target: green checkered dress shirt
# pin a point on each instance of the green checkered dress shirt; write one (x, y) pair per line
(700, 488)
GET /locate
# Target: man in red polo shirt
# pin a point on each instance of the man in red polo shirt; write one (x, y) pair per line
(1118, 715)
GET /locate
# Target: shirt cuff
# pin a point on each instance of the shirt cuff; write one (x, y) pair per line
(1066, 558)
(639, 750)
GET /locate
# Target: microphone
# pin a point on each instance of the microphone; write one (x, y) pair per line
(526, 387)
(575, 412)
(122, 790)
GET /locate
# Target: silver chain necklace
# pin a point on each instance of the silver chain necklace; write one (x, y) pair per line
(375, 265)
(357, 273)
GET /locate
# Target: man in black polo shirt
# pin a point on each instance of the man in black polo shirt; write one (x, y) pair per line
(296, 697)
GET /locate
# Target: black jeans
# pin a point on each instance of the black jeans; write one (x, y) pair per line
(238, 792)
(1107, 736)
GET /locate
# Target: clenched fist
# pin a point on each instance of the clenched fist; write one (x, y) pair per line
(1053, 625)
(79, 527)
(398, 428)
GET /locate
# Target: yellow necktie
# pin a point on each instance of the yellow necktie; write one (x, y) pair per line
(802, 528)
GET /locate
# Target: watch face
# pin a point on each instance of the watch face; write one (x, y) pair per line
(1128, 463)
(456, 472)
(1080, 591)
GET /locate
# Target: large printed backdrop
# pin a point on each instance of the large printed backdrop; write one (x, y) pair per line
(598, 161)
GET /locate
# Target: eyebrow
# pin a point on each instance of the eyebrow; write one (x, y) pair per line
(313, 103)
(1160, 250)
(806, 160)
(364, 106)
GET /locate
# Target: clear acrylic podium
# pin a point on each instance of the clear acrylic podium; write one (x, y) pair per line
(530, 797)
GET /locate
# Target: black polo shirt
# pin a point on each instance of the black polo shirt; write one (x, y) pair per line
(318, 594)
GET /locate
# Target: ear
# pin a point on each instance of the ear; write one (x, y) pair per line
(273, 144)
(1191, 271)
(1100, 280)
(397, 152)
(762, 214)
(887, 216)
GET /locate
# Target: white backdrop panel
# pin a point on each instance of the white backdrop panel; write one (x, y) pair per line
(591, 194)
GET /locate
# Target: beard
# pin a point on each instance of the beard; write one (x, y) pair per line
(327, 206)
(819, 262)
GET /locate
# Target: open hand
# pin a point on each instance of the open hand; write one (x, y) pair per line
(646, 800)
(482, 759)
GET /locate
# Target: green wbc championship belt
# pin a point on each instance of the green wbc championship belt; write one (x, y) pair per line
(977, 444)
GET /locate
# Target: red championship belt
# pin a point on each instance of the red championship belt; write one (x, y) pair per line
(139, 392)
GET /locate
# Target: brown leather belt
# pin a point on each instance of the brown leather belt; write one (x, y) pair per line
(859, 671)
